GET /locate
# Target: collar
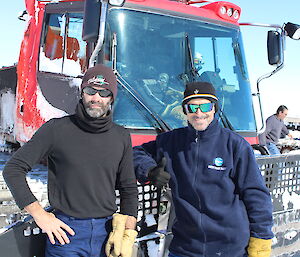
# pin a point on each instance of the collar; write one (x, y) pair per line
(89, 124)
(212, 129)
(278, 118)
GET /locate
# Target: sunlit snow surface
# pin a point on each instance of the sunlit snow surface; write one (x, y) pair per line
(71, 67)
(7, 107)
(47, 111)
(37, 181)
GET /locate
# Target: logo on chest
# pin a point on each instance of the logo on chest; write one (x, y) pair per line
(217, 164)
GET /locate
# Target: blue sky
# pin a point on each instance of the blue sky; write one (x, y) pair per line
(282, 88)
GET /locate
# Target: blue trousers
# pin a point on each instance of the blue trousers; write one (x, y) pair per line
(89, 239)
(273, 149)
(173, 255)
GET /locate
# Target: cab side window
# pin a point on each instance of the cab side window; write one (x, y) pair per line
(62, 50)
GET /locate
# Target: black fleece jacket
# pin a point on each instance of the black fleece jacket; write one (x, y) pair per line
(87, 160)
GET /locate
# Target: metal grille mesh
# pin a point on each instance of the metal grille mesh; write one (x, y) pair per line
(282, 175)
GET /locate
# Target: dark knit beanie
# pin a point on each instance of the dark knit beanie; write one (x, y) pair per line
(199, 90)
(101, 76)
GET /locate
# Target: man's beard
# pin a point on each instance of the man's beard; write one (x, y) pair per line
(200, 122)
(96, 112)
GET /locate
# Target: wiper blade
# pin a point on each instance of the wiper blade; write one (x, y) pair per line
(162, 124)
(193, 69)
(225, 120)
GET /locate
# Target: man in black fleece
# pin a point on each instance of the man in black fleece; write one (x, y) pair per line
(88, 157)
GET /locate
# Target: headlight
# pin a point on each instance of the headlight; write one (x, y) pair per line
(116, 2)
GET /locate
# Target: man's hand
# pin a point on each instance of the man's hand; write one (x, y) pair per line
(50, 224)
(158, 176)
(127, 242)
(114, 242)
(169, 108)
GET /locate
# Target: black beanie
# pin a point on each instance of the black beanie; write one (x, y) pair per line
(100, 75)
(199, 90)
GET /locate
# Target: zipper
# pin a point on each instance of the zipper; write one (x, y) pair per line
(198, 145)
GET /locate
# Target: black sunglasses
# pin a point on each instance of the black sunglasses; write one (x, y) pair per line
(93, 91)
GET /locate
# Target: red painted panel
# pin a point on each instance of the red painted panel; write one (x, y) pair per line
(210, 11)
(140, 139)
(28, 118)
(252, 140)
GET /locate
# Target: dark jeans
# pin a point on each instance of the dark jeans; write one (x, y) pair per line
(173, 255)
(89, 239)
(273, 149)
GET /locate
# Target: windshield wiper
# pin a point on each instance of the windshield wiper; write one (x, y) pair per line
(162, 124)
(193, 69)
(190, 73)
(225, 121)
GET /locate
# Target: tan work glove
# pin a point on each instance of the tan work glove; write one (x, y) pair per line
(116, 235)
(259, 247)
(127, 242)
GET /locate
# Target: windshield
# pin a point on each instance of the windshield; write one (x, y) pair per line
(156, 55)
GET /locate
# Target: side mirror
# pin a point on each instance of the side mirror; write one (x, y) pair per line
(91, 20)
(275, 48)
(292, 30)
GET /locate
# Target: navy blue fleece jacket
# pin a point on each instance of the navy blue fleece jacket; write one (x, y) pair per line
(219, 195)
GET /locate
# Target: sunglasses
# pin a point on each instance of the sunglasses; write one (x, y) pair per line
(93, 91)
(192, 108)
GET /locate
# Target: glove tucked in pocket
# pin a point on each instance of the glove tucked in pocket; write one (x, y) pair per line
(258, 247)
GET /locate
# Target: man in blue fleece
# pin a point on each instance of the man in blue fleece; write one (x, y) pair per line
(222, 205)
